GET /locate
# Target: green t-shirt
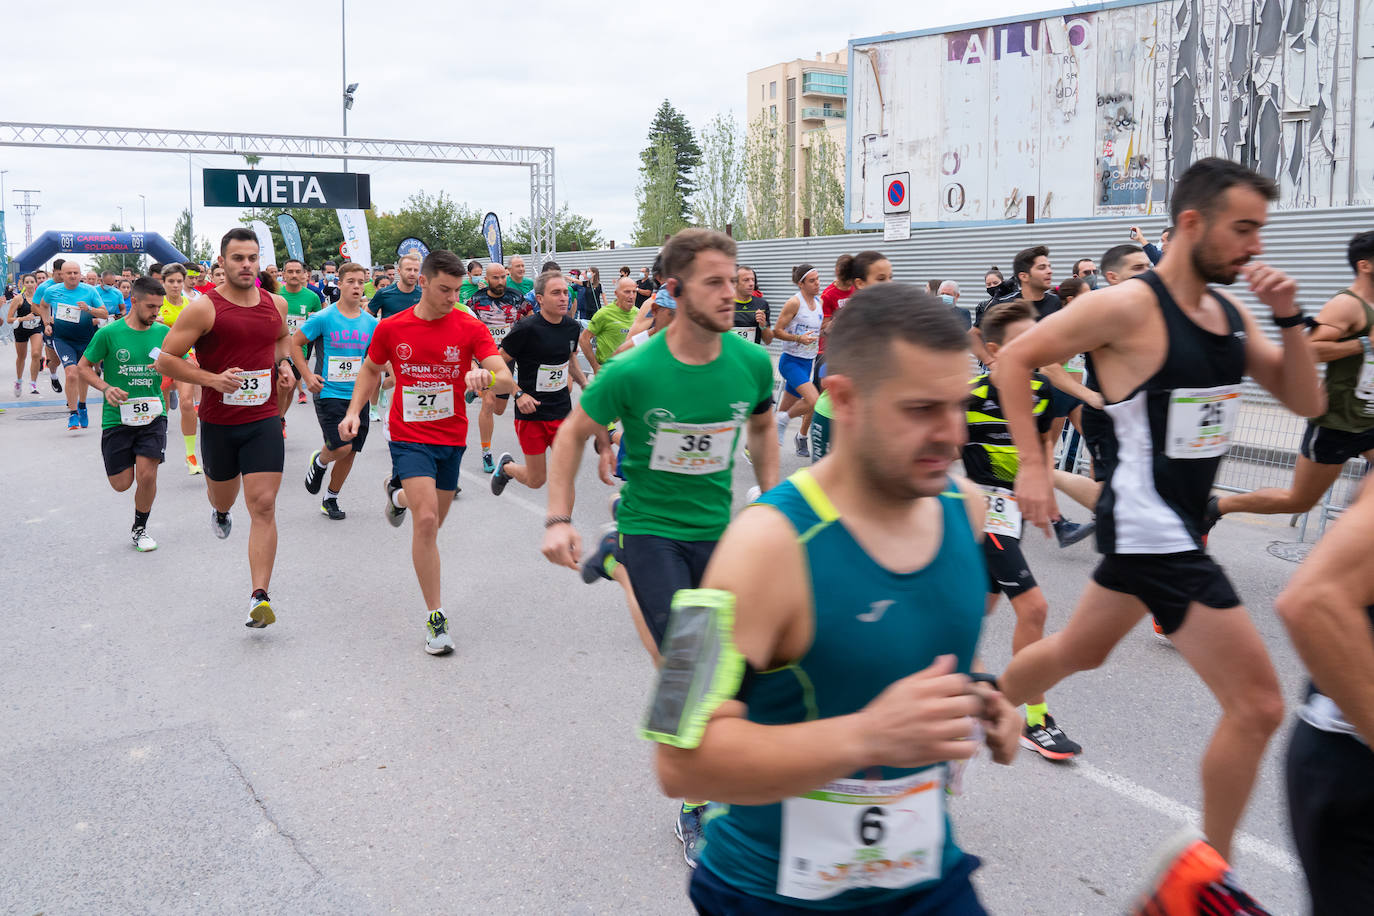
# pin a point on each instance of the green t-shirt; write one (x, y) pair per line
(369, 290)
(299, 306)
(681, 427)
(609, 326)
(524, 285)
(128, 359)
(467, 290)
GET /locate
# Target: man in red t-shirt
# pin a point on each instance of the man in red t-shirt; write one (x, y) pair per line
(429, 346)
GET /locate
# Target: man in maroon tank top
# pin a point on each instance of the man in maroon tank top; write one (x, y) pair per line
(239, 333)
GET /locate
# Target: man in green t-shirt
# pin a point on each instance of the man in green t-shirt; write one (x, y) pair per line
(682, 399)
(133, 439)
(301, 303)
(517, 279)
(607, 329)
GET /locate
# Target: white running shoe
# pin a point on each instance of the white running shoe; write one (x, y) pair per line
(143, 543)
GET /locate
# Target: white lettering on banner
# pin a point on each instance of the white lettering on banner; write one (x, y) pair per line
(255, 192)
(312, 189)
(279, 189)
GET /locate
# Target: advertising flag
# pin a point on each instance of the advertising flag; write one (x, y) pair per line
(356, 243)
(291, 235)
(412, 244)
(491, 231)
(267, 255)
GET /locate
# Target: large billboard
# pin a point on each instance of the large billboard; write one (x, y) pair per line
(1095, 111)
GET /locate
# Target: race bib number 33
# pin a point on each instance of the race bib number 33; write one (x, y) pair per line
(1201, 421)
(255, 387)
(693, 448)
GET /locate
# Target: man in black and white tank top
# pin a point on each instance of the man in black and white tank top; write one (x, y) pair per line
(1169, 353)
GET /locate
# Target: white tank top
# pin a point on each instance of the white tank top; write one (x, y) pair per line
(806, 321)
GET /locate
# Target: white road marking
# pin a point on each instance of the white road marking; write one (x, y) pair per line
(1162, 804)
(506, 496)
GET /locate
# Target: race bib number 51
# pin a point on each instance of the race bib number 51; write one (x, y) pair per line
(1201, 421)
(854, 833)
(693, 448)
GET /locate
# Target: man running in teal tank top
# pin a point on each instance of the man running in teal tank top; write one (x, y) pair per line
(830, 762)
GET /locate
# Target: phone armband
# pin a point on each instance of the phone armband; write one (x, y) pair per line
(701, 668)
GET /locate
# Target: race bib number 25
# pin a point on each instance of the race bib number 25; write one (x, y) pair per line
(1201, 421)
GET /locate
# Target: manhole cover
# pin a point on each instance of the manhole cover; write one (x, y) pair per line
(1289, 550)
(43, 415)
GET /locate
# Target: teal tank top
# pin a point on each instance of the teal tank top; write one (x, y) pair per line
(872, 627)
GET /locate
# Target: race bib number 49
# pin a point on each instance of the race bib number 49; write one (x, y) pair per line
(1201, 421)
(421, 405)
(342, 368)
(693, 448)
(854, 833)
(255, 387)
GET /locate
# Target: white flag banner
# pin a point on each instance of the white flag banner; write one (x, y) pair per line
(356, 243)
(267, 256)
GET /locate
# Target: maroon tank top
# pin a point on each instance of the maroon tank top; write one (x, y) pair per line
(245, 338)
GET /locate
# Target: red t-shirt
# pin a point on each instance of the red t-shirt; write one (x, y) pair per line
(430, 359)
(832, 298)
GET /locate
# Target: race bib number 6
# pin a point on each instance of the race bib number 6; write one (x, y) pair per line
(255, 387)
(1201, 421)
(693, 448)
(422, 405)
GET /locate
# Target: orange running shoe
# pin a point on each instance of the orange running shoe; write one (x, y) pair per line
(1192, 879)
(192, 467)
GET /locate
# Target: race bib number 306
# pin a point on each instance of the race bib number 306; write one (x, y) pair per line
(1201, 421)
(255, 387)
(421, 405)
(854, 833)
(693, 448)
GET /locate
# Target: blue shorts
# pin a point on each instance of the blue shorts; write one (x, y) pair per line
(795, 372)
(69, 351)
(421, 459)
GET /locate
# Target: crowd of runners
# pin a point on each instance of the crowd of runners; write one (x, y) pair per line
(815, 720)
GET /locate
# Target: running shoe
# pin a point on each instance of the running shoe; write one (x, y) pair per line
(73, 421)
(1192, 879)
(283, 427)
(594, 567)
(56, 385)
(301, 399)
(1069, 533)
(221, 528)
(373, 415)
(143, 543)
(192, 466)
(260, 611)
(1160, 634)
(498, 476)
(688, 830)
(752, 495)
(18, 386)
(488, 463)
(1049, 741)
(748, 457)
(314, 474)
(437, 640)
(394, 516)
(330, 507)
(33, 387)
(803, 447)
(82, 415)
(469, 396)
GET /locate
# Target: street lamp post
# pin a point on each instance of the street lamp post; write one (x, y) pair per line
(145, 212)
(348, 88)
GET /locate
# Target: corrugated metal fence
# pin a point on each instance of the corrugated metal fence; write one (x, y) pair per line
(1308, 244)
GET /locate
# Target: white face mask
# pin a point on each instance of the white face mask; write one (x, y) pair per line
(947, 298)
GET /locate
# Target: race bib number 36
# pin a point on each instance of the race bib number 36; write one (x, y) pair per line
(1201, 421)
(255, 387)
(854, 833)
(1003, 515)
(693, 448)
(421, 405)
(342, 368)
(140, 411)
(552, 378)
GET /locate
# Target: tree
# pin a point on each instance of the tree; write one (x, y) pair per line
(196, 250)
(823, 192)
(660, 202)
(720, 175)
(252, 160)
(572, 231)
(671, 124)
(320, 232)
(439, 222)
(766, 194)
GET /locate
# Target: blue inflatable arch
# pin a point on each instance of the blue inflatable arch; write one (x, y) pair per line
(54, 242)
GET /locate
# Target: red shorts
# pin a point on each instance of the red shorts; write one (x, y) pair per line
(536, 436)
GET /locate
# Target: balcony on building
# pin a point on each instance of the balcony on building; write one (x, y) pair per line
(826, 83)
(821, 114)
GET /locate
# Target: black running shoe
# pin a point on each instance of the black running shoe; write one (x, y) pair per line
(498, 476)
(314, 474)
(56, 385)
(594, 567)
(394, 516)
(689, 830)
(1049, 741)
(1069, 533)
(330, 507)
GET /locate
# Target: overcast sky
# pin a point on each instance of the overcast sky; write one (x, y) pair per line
(584, 78)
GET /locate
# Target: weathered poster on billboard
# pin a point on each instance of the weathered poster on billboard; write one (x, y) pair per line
(1096, 112)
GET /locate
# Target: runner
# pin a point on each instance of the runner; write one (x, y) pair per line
(394, 299)
(753, 315)
(518, 281)
(343, 331)
(610, 326)
(859, 642)
(69, 309)
(1346, 430)
(301, 303)
(110, 295)
(44, 281)
(1328, 608)
(28, 333)
(682, 399)
(1169, 354)
(472, 282)
(239, 334)
(133, 439)
(544, 350)
(990, 461)
(799, 327)
(430, 348)
(188, 395)
(495, 306)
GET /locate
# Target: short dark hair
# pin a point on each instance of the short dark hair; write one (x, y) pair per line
(1201, 187)
(237, 234)
(1025, 260)
(57, 264)
(862, 262)
(328, 264)
(1080, 261)
(155, 269)
(290, 261)
(147, 286)
(843, 265)
(474, 266)
(1114, 257)
(178, 269)
(1361, 248)
(1000, 317)
(542, 281)
(442, 261)
(861, 334)
(550, 265)
(798, 273)
(680, 252)
(993, 271)
(625, 271)
(1072, 287)
(351, 267)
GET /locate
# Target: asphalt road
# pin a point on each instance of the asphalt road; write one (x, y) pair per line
(159, 757)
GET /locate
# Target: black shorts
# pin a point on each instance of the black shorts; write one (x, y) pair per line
(330, 411)
(247, 448)
(818, 371)
(1331, 810)
(1334, 446)
(1008, 571)
(119, 445)
(659, 568)
(1096, 428)
(22, 333)
(1062, 403)
(1167, 583)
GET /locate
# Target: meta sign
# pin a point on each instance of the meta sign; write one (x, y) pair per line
(253, 188)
